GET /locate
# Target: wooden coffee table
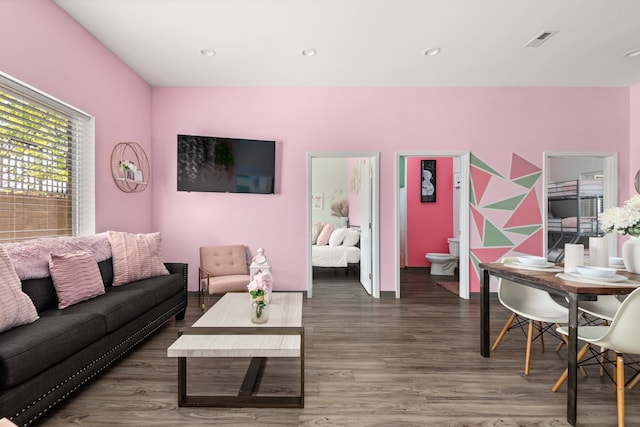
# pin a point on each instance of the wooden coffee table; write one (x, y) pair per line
(226, 330)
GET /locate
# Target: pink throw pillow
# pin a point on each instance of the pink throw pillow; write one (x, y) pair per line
(76, 277)
(325, 235)
(16, 308)
(135, 257)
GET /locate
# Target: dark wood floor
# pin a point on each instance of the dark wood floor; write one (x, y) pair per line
(412, 361)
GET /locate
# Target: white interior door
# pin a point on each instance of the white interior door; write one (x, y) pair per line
(365, 230)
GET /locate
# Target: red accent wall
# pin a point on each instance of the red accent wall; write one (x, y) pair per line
(429, 225)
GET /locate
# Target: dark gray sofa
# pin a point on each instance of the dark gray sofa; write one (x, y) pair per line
(43, 362)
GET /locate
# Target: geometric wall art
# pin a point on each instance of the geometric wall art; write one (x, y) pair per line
(505, 213)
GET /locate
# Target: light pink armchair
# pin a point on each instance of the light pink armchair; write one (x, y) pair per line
(222, 269)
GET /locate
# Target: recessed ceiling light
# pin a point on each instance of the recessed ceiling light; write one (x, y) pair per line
(432, 51)
(208, 52)
(632, 53)
(309, 52)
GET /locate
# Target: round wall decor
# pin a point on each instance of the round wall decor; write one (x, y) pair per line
(130, 167)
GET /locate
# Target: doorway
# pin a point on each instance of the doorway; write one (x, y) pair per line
(461, 159)
(563, 167)
(364, 180)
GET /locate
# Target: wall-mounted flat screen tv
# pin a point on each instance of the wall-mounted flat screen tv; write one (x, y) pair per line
(228, 165)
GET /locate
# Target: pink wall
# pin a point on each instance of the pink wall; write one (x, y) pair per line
(59, 57)
(493, 123)
(429, 225)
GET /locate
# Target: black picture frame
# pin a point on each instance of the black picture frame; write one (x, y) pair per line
(427, 181)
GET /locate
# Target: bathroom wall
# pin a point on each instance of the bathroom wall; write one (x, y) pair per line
(428, 224)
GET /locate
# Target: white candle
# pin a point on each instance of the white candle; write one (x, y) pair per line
(598, 251)
(573, 257)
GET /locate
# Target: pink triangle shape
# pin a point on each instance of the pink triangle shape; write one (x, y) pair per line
(527, 213)
(532, 246)
(521, 167)
(480, 181)
(478, 219)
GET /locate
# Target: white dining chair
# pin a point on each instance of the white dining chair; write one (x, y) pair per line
(605, 307)
(622, 336)
(536, 307)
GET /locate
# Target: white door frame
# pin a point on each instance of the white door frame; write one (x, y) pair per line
(375, 217)
(464, 156)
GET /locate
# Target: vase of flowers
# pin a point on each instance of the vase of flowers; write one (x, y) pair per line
(341, 210)
(260, 292)
(625, 220)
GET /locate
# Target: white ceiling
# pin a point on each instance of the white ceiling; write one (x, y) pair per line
(374, 43)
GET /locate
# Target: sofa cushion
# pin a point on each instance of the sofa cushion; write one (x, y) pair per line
(135, 256)
(159, 289)
(16, 308)
(41, 292)
(224, 284)
(106, 271)
(116, 308)
(30, 349)
(76, 277)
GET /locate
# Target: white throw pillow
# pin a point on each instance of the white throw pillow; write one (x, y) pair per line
(351, 238)
(337, 236)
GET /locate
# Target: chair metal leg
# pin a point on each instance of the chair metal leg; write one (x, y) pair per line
(504, 331)
(527, 361)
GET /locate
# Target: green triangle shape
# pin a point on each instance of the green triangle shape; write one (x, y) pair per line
(472, 194)
(507, 204)
(528, 181)
(493, 237)
(527, 231)
(482, 165)
(476, 263)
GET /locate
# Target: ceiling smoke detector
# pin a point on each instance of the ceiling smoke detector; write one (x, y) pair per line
(540, 38)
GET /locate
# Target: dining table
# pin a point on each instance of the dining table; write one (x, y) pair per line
(571, 287)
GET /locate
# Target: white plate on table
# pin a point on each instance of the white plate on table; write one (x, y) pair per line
(613, 279)
(542, 265)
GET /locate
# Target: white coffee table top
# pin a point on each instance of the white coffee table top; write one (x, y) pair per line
(234, 310)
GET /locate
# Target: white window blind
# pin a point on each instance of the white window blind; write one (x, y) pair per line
(46, 165)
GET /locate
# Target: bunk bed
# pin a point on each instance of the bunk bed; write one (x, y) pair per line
(573, 213)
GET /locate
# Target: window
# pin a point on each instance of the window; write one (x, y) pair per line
(46, 165)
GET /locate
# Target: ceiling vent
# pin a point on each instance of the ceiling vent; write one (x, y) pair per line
(540, 38)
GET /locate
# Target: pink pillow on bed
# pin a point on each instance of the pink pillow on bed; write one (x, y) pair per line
(325, 234)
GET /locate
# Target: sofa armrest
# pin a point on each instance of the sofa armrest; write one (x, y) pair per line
(180, 268)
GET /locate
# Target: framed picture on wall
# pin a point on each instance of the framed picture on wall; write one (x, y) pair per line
(428, 181)
(317, 201)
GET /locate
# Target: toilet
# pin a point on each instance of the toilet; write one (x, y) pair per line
(445, 264)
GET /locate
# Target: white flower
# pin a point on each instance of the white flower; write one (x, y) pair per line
(624, 219)
(128, 164)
